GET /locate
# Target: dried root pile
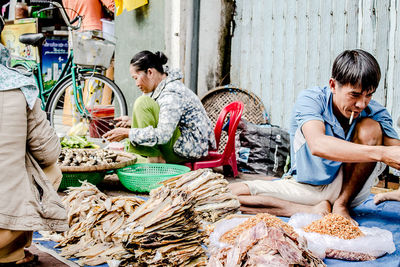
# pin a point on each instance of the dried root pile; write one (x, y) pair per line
(86, 157)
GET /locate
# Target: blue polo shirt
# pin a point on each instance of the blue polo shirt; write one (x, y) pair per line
(316, 104)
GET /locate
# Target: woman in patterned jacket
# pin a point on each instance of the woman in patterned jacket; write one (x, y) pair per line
(169, 122)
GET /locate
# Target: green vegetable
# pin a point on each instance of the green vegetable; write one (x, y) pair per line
(75, 141)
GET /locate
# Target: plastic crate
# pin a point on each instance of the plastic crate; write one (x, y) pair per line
(73, 179)
(91, 50)
(143, 177)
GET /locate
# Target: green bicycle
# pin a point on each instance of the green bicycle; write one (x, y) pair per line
(82, 101)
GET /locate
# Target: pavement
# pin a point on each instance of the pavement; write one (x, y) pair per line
(113, 187)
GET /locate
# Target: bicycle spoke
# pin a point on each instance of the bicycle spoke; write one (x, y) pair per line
(64, 114)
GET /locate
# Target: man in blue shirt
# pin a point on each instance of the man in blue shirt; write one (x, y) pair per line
(341, 140)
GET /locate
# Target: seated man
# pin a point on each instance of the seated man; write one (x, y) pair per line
(340, 142)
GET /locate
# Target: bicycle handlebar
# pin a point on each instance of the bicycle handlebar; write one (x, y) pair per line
(64, 15)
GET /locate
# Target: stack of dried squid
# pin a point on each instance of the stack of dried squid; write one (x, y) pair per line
(164, 231)
(263, 240)
(95, 220)
(213, 199)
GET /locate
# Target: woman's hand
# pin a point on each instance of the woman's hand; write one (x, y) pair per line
(117, 134)
(123, 121)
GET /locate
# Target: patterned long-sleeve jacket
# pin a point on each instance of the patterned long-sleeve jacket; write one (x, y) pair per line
(179, 106)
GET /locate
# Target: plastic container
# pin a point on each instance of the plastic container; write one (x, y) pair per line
(143, 177)
(101, 121)
(75, 179)
(91, 50)
(108, 29)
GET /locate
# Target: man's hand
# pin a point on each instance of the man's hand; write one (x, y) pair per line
(117, 134)
(391, 156)
(123, 122)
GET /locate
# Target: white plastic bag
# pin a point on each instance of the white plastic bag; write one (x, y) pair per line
(376, 241)
(222, 228)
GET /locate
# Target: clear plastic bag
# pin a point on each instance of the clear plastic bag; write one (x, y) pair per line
(376, 242)
(221, 228)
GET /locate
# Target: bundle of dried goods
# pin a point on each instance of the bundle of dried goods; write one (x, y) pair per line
(213, 199)
(334, 236)
(259, 244)
(270, 220)
(86, 157)
(164, 231)
(95, 220)
(334, 225)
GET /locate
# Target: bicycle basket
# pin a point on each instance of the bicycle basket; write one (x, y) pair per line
(89, 50)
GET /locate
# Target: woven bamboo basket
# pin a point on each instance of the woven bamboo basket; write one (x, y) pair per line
(123, 159)
(74, 175)
(215, 100)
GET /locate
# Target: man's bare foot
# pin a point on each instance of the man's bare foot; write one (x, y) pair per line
(322, 208)
(29, 258)
(344, 211)
(251, 210)
(392, 195)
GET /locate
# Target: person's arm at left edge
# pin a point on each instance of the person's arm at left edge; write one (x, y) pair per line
(42, 140)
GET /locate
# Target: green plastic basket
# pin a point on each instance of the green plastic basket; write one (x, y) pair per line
(72, 179)
(143, 177)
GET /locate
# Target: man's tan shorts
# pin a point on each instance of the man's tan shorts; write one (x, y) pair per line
(289, 189)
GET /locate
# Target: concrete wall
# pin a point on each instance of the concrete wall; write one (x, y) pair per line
(282, 47)
(168, 26)
(137, 30)
(214, 44)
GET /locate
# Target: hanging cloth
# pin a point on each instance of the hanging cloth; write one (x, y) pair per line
(11, 78)
(129, 5)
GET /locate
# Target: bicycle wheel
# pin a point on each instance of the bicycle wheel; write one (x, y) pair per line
(102, 99)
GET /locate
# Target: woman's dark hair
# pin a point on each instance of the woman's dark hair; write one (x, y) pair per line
(146, 59)
(357, 68)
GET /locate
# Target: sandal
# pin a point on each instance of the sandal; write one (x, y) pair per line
(30, 260)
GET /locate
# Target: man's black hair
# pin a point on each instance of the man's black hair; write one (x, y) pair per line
(357, 68)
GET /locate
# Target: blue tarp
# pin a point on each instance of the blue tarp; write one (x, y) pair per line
(51, 244)
(385, 215)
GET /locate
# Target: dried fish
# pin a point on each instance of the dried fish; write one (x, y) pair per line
(95, 221)
(263, 245)
(210, 190)
(165, 234)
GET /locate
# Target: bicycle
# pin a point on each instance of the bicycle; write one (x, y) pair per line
(82, 115)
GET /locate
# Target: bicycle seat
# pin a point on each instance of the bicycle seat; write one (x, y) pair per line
(34, 39)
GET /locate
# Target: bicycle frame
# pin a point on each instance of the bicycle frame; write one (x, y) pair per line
(69, 70)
